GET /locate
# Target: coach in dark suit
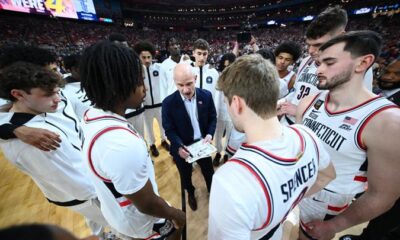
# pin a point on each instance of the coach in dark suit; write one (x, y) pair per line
(188, 115)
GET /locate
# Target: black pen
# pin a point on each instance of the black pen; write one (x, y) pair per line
(184, 148)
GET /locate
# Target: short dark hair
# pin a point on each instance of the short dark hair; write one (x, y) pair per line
(170, 39)
(267, 54)
(358, 43)
(110, 73)
(32, 54)
(25, 76)
(327, 21)
(71, 61)
(117, 37)
(227, 56)
(289, 47)
(201, 44)
(144, 46)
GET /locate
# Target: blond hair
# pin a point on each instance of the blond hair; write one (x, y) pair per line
(254, 79)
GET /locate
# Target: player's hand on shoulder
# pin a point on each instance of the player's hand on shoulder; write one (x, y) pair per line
(42, 139)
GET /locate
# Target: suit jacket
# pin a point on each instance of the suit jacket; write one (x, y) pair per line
(176, 121)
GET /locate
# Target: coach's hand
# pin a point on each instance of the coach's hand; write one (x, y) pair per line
(183, 153)
(207, 139)
(40, 138)
(321, 230)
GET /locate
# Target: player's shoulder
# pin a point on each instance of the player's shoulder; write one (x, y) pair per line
(387, 116)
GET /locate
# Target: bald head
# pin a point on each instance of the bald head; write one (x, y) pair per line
(185, 80)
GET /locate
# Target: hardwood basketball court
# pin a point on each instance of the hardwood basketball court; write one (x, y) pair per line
(22, 202)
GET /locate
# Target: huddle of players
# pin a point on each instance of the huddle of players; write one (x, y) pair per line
(268, 176)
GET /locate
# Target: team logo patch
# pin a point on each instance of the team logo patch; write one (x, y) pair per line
(350, 120)
(345, 127)
(209, 80)
(313, 115)
(155, 73)
(318, 104)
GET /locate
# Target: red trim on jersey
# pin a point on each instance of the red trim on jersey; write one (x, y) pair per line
(125, 203)
(151, 236)
(304, 226)
(87, 119)
(315, 144)
(264, 188)
(337, 209)
(364, 124)
(347, 110)
(231, 149)
(92, 144)
(295, 159)
(309, 105)
(360, 179)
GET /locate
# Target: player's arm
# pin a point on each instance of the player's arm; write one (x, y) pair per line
(40, 138)
(130, 175)
(302, 107)
(326, 170)
(147, 202)
(381, 137)
(325, 176)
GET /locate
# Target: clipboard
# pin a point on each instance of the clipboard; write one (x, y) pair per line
(199, 150)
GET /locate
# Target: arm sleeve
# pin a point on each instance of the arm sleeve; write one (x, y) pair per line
(6, 128)
(7, 131)
(124, 160)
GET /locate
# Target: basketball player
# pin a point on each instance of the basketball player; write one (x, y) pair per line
(73, 81)
(387, 225)
(359, 130)
(120, 166)
(60, 174)
(134, 116)
(167, 67)
(68, 114)
(206, 76)
(328, 24)
(254, 191)
(152, 102)
(286, 54)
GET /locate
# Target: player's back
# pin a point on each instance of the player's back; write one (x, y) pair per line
(266, 180)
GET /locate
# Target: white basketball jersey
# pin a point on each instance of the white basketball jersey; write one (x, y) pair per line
(74, 90)
(206, 78)
(119, 211)
(340, 133)
(286, 79)
(306, 84)
(285, 169)
(152, 83)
